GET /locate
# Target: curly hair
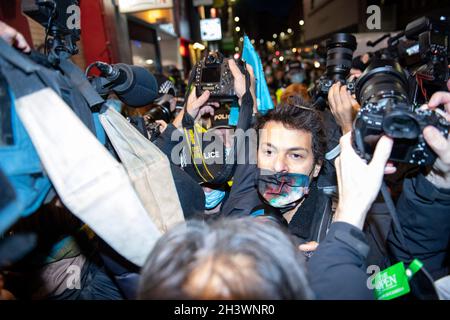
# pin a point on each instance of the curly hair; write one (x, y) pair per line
(228, 259)
(298, 115)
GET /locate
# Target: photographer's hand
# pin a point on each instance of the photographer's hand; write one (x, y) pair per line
(14, 37)
(239, 82)
(162, 125)
(359, 182)
(196, 107)
(343, 106)
(440, 173)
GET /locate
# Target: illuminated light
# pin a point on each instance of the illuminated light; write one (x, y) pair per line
(261, 41)
(236, 19)
(277, 53)
(149, 61)
(281, 58)
(198, 46)
(289, 30)
(236, 49)
(183, 51)
(213, 12)
(316, 46)
(252, 41)
(237, 29)
(159, 38)
(241, 39)
(274, 35)
(282, 34)
(236, 56)
(274, 60)
(273, 43)
(301, 22)
(294, 50)
(316, 64)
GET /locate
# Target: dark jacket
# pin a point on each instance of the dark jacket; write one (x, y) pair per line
(424, 215)
(313, 218)
(190, 193)
(337, 268)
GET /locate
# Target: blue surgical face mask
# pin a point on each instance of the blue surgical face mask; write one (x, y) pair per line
(213, 198)
(298, 77)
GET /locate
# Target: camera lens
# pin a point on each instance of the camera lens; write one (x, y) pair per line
(340, 49)
(384, 84)
(159, 112)
(381, 80)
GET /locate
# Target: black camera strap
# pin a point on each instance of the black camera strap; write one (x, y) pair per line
(79, 80)
(215, 174)
(393, 212)
(422, 286)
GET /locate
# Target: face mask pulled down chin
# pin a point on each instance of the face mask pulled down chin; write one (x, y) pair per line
(282, 190)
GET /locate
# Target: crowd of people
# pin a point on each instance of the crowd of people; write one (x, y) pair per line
(293, 212)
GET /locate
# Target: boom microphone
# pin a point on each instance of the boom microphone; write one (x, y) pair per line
(135, 86)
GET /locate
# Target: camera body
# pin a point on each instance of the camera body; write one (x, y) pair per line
(153, 130)
(434, 51)
(213, 74)
(61, 19)
(340, 48)
(375, 120)
(325, 84)
(157, 112)
(386, 109)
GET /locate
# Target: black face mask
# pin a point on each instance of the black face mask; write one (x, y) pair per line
(282, 190)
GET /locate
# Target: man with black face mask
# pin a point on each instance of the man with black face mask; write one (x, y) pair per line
(291, 149)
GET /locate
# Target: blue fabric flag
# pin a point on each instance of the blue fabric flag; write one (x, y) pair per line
(249, 55)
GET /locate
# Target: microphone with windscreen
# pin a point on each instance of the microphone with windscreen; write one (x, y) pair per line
(134, 86)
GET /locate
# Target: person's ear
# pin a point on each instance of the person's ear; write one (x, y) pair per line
(317, 168)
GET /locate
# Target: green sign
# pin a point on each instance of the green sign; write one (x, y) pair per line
(391, 282)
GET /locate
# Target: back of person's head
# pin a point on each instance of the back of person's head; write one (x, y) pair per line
(295, 89)
(297, 114)
(229, 259)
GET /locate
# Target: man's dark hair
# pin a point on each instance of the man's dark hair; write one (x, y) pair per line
(228, 259)
(296, 114)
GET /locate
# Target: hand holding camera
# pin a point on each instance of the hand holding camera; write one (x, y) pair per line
(440, 173)
(356, 195)
(343, 106)
(213, 87)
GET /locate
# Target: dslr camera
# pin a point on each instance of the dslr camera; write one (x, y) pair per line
(61, 19)
(157, 112)
(386, 109)
(390, 95)
(213, 74)
(340, 48)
